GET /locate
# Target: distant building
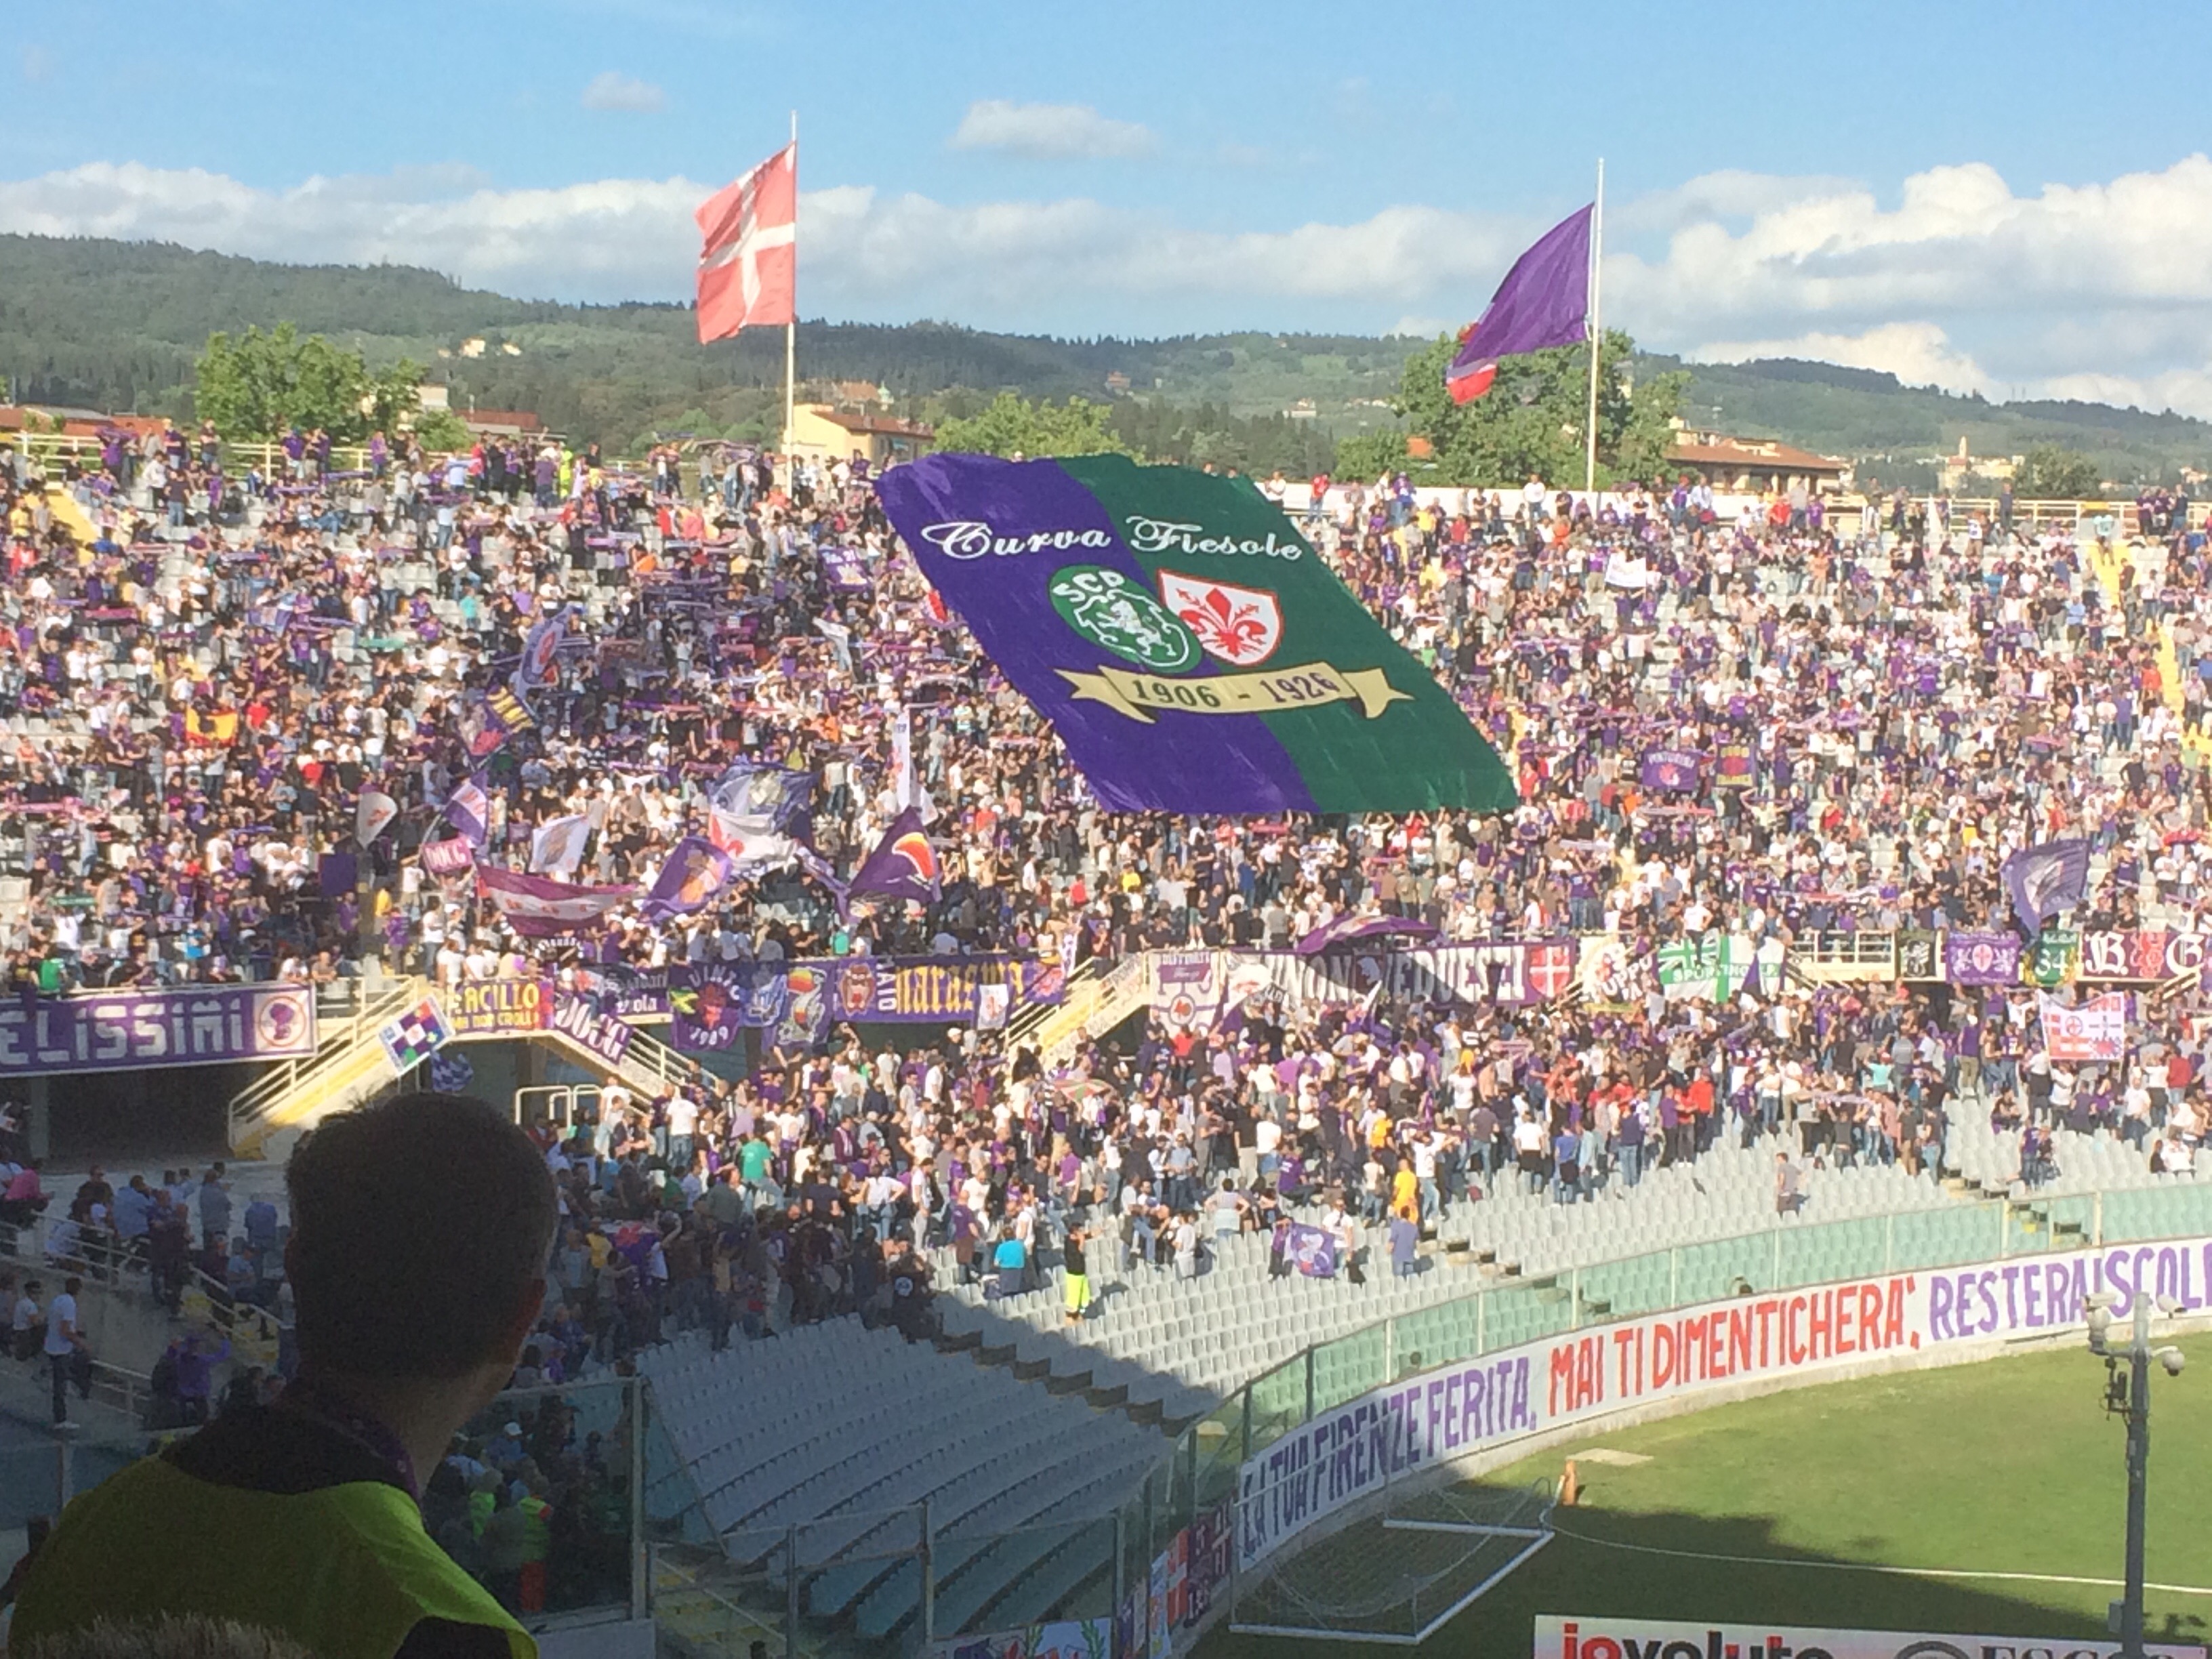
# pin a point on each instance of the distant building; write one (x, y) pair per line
(1755, 465)
(1117, 383)
(1303, 409)
(76, 423)
(1958, 468)
(502, 423)
(822, 432)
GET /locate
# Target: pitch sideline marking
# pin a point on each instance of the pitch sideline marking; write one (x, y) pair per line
(1867, 1566)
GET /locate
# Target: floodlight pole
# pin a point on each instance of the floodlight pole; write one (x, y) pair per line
(1596, 337)
(2131, 1608)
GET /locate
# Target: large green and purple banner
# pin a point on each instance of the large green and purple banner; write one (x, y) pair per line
(1194, 652)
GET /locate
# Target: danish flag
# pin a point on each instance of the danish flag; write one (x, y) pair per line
(749, 249)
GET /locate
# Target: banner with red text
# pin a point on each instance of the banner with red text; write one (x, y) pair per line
(1356, 1449)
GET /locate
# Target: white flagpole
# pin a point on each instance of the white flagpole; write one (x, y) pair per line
(1596, 334)
(791, 328)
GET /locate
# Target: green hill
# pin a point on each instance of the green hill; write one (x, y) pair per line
(117, 325)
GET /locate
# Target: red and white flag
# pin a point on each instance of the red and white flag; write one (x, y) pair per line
(749, 249)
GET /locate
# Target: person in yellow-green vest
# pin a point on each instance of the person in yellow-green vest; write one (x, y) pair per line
(420, 1232)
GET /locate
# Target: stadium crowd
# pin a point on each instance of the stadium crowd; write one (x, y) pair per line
(227, 664)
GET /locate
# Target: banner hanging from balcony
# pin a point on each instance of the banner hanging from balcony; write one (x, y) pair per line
(1191, 650)
(710, 1003)
(137, 1031)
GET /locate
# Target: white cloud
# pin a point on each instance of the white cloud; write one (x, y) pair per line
(602, 241)
(2100, 291)
(1729, 194)
(1069, 264)
(609, 89)
(1049, 132)
(1918, 353)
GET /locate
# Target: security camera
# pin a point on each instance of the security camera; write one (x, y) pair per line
(2100, 1320)
(2105, 1300)
(2168, 1306)
(2172, 1358)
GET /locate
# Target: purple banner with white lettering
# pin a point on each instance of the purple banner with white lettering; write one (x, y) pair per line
(1673, 770)
(1189, 645)
(1981, 958)
(581, 1018)
(145, 1030)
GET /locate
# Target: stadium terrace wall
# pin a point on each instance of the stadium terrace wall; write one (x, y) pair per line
(1321, 1441)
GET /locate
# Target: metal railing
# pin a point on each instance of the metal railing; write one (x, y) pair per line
(340, 1046)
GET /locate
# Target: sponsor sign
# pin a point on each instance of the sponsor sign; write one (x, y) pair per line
(1582, 1637)
(138, 1030)
(1355, 1450)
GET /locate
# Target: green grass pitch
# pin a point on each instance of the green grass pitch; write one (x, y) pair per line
(2009, 1465)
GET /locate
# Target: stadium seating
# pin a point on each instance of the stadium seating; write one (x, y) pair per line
(843, 1429)
(1177, 1347)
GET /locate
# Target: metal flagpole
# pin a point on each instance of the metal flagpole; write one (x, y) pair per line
(791, 328)
(1596, 334)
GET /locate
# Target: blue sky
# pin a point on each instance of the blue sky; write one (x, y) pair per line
(1984, 195)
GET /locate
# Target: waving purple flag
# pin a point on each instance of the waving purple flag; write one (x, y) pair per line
(694, 871)
(1543, 302)
(1352, 928)
(904, 865)
(2045, 879)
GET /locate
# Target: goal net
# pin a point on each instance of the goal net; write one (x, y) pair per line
(1400, 1574)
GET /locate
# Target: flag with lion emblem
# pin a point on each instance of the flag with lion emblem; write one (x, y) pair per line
(1193, 651)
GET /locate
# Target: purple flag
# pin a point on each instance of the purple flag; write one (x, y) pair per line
(1981, 958)
(1674, 771)
(539, 907)
(1543, 302)
(1350, 929)
(1311, 1250)
(693, 872)
(2046, 879)
(904, 865)
(468, 809)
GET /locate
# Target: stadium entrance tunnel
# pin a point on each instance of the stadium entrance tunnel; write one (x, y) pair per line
(182, 1111)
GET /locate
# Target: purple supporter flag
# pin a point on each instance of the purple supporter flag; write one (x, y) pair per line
(1674, 771)
(1352, 929)
(693, 872)
(2045, 879)
(1311, 1250)
(538, 906)
(1981, 958)
(468, 810)
(1543, 302)
(904, 865)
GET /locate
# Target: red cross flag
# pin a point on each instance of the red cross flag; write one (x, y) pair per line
(748, 249)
